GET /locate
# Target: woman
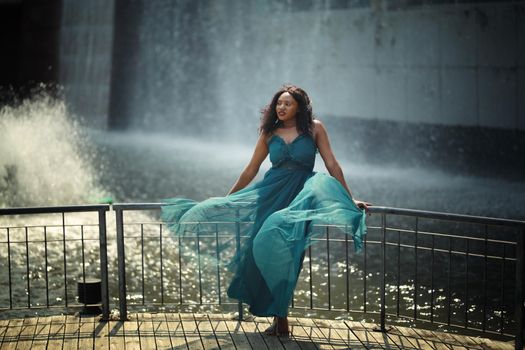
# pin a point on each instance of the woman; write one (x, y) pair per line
(282, 206)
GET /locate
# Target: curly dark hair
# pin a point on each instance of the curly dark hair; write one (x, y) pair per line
(304, 116)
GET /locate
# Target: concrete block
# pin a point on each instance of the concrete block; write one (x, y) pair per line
(333, 36)
(497, 36)
(458, 37)
(346, 92)
(497, 98)
(320, 44)
(389, 39)
(423, 95)
(420, 30)
(354, 36)
(391, 101)
(458, 99)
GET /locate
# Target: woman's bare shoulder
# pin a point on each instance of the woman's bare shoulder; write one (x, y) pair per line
(316, 122)
(317, 126)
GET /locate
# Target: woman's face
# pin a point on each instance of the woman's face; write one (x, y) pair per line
(286, 107)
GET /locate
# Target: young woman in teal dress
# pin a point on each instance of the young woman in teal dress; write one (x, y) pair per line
(283, 206)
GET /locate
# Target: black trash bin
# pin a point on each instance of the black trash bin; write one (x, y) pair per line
(89, 293)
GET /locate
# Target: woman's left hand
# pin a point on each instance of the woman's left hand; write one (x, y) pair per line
(362, 204)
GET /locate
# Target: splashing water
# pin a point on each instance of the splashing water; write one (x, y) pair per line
(45, 157)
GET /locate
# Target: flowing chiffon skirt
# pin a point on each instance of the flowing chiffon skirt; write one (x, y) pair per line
(283, 207)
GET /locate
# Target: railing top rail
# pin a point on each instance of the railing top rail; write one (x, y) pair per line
(136, 206)
(379, 210)
(54, 209)
(156, 205)
(486, 220)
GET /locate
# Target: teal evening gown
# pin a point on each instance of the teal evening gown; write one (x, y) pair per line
(283, 207)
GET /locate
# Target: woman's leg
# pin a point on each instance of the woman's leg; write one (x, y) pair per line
(279, 327)
(282, 326)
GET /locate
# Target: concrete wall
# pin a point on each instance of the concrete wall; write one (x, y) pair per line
(438, 62)
(449, 64)
(457, 65)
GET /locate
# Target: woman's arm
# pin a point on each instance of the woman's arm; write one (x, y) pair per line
(331, 163)
(247, 175)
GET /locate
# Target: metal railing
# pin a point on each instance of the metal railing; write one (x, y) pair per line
(466, 271)
(507, 239)
(424, 267)
(57, 236)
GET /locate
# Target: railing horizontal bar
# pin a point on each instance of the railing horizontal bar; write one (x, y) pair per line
(155, 223)
(146, 206)
(179, 304)
(458, 252)
(394, 244)
(343, 240)
(355, 311)
(331, 240)
(428, 233)
(232, 235)
(377, 210)
(454, 325)
(389, 229)
(152, 237)
(41, 226)
(55, 209)
(138, 206)
(201, 222)
(447, 216)
(50, 240)
(38, 307)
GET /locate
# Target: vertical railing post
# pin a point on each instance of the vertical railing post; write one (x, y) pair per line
(347, 266)
(238, 252)
(416, 259)
(365, 275)
(161, 268)
(123, 310)
(199, 264)
(103, 263)
(28, 274)
(329, 267)
(64, 257)
(9, 269)
(383, 271)
(520, 293)
(217, 252)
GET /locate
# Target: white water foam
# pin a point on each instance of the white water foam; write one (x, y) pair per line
(45, 157)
